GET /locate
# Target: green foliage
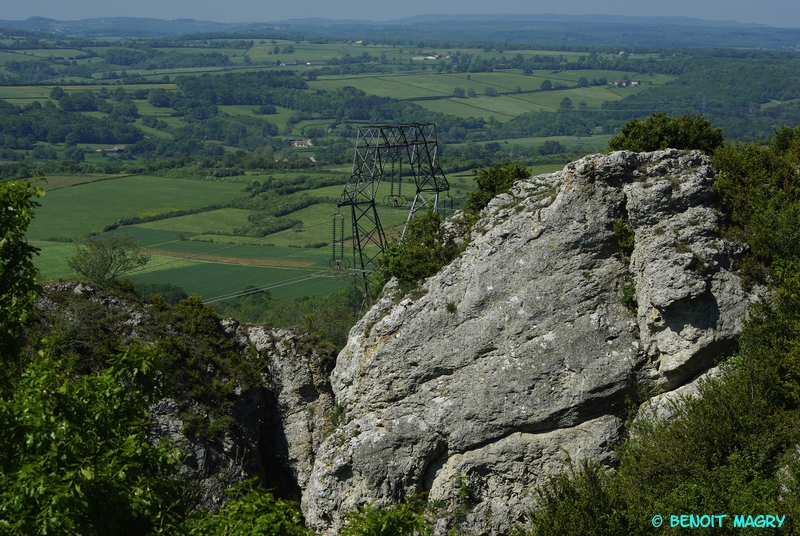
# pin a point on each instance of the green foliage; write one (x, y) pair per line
(760, 189)
(425, 248)
(76, 456)
(170, 294)
(578, 502)
(492, 181)
(467, 499)
(338, 415)
(103, 258)
(626, 238)
(627, 292)
(658, 131)
(18, 288)
(404, 519)
(57, 125)
(254, 511)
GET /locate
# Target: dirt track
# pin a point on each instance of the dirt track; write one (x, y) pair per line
(230, 260)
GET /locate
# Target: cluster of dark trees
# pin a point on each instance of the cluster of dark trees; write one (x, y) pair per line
(153, 58)
(21, 128)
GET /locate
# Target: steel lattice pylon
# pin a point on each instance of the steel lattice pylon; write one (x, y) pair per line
(413, 144)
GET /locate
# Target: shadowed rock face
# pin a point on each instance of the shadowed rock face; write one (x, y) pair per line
(521, 352)
(279, 424)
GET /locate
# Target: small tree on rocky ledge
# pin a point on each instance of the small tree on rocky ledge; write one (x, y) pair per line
(425, 248)
(492, 181)
(103, 258)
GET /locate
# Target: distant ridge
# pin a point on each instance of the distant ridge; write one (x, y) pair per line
(597, 18)
(543, 29)
(169, 26)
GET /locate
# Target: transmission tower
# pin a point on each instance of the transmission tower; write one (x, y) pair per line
(413, 144)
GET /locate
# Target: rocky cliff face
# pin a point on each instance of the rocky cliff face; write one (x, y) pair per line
(274, 422)
(279, 424)
(523, 351)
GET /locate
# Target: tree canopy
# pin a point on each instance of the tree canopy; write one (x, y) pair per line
(106, 257)
(18, 286)
(659, 131)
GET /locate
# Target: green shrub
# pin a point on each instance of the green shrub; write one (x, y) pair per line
(405, 519)
(626, 238)
(658, 131)
(76, 455)
(18, 288)
(579, 502)
(760, 190)
(492, 181)
(105, 257)
(627, 292)
(424, 250)
(338, 415)
(254, 511)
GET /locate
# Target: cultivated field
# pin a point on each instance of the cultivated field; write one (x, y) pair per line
(291, 263)
(197, 251)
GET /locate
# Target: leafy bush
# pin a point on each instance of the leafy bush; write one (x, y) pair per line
(17, 274)
(657, 131)
(760, 190)
(492, 181)
(405, 519)
(255, 511)
(626, 238)
(76, 456)
(579, 502)
(627, 292)
(425, 248)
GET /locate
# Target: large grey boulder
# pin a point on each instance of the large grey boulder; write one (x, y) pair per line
(521, 353)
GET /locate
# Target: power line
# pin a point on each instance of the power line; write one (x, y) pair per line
(192, 256)
(284, 283)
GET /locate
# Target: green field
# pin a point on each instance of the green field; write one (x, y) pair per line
(224, 219)
(213, 281)
(187, 250)
(518, 93)
(77, 210)
(207, 264)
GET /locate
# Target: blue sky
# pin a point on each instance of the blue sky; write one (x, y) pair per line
(780, 13)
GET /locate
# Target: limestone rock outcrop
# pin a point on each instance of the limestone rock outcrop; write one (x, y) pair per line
(524, 349)
(276, 419)
(279, 424)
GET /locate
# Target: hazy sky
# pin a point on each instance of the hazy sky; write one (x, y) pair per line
(781, 13)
